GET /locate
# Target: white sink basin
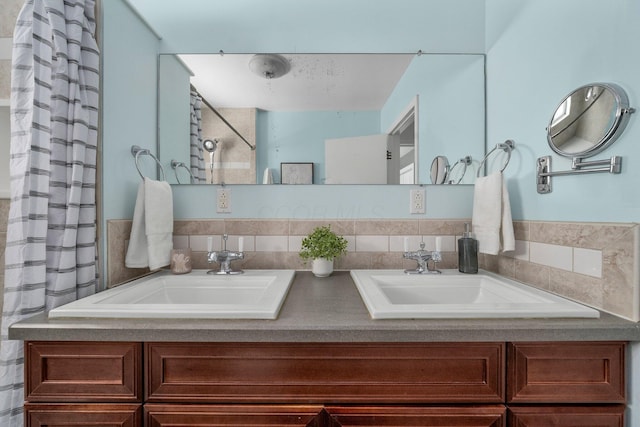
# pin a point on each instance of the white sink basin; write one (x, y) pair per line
(392, 294)
(256, 294)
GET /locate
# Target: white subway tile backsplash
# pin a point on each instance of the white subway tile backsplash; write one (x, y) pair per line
(199, 243)
(447, 243)
(295, 243)
(248, 243)
(372, 243)
(588, 262)
(396, 243)
(551, 255)
(521, 251)
(272, 243)
(351, 243)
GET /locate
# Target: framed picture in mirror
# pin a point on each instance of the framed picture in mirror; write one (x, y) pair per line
(296, 173)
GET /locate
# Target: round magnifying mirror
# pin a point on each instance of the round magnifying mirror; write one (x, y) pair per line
(588, 120)
(439, 170)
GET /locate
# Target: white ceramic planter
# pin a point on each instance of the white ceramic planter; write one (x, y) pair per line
(322, 267)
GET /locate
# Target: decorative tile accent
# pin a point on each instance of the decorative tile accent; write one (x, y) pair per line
(521, 251)
(588, 262)
(272, 244)
(386, 227)
(200, 243)
(592, 263)
(397, 243)
(372, 243)
(551, 255)
(305, 227)
(180, 242)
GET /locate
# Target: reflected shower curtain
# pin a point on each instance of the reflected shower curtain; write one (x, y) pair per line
(197, 154)
(50, 257)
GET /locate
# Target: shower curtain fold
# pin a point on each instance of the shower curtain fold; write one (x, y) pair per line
(197, 154)
(50, 256)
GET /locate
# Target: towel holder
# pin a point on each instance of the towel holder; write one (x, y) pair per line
(506, 146)
(175, 165)
(463, 162)
(136, 151)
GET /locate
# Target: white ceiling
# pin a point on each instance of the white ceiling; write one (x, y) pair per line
(316, 82)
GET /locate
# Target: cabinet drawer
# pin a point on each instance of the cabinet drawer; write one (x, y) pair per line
(580, 372)
(159, 415)
(321, 373)
(437, 416)
(563, 416)
(83, 372)
(83, 415)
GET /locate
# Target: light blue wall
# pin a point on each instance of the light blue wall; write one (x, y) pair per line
(129, 99)
(239, 26)
(174, 115)
(538, 52)
(322, 201)
(289, 26)
(451, 96)
(534, 58)
(280, 135)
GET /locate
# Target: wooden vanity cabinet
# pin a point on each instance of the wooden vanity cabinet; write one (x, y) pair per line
(79, 384)
(83, 415)
(164, 415)
(326, 373)
(325, 384)
(586, 379)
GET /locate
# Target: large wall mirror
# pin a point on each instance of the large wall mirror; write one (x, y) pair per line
(318, 118)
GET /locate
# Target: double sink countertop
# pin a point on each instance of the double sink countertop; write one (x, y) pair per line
(325, 310)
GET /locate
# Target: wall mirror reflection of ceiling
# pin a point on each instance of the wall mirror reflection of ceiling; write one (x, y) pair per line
(323, 99)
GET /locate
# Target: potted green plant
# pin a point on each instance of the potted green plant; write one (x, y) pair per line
(322, 246)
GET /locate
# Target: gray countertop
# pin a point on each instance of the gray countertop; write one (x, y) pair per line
(325, 310)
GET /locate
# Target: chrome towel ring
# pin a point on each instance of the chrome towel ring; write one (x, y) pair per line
(136, 151)
(463, 163)
(175, 165)
(506, 146)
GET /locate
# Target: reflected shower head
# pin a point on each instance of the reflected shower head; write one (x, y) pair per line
(210, 145)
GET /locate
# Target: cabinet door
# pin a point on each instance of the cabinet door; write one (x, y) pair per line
(83, 372)
(83, 415)
(581, 372)
(158, 415)
(321, 373)
(574, 416)
(440, 416)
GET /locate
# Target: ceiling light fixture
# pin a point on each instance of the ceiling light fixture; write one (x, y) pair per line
(269, 66)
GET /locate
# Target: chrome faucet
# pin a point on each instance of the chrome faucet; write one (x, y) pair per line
(224, 257)
(423, 257)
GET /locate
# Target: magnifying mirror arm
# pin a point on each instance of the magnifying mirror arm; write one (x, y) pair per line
(544, 174)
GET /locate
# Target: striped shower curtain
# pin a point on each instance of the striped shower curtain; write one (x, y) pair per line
(50, 256)
(197, 156)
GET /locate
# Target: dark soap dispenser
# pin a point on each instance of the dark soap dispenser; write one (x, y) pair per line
(467, 252)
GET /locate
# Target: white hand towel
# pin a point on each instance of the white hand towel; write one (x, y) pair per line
(267, 178)
(151, 237)
(137, 256)
(492, 223)
(158, 212)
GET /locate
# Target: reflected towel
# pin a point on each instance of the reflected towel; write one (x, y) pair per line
(267, 178)
(151, 238)
(492, 223)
